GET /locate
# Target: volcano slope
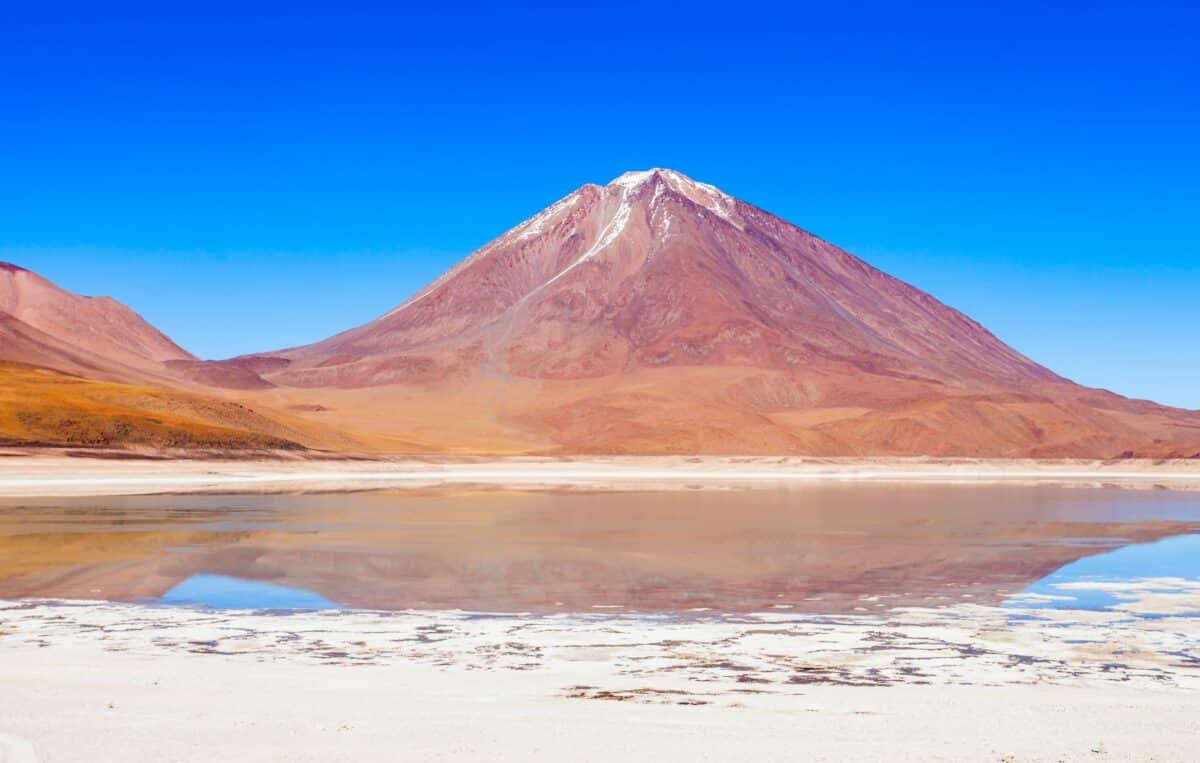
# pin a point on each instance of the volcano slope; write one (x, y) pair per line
(657, 314)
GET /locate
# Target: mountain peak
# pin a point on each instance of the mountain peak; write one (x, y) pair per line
(673, 178)
(708, 196)
(656, 270)
(635, 178)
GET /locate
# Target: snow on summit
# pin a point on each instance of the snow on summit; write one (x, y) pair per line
(708, 196)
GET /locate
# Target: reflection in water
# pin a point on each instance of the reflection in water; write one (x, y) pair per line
(1166, 567)
(819, 548)
(224, 592)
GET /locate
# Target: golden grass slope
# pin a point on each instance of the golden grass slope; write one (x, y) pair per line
(43, 407)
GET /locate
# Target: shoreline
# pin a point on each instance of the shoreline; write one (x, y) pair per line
(61, 476)
(962, 682)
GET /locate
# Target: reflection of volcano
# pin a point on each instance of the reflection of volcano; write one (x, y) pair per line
(1102, 581)
(224, 592)
(832, 549)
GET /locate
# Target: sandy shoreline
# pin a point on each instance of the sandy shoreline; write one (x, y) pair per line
(88, 681)
(50, 475)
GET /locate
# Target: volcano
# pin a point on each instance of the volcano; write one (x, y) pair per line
(657, 314)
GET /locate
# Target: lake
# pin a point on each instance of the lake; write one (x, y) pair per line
(830, 548)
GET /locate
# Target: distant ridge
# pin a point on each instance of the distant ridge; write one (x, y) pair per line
(89, 372)
(43, 324)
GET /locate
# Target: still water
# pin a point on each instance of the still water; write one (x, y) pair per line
(812, 548)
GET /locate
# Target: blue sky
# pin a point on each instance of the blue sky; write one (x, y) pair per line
(249, 180)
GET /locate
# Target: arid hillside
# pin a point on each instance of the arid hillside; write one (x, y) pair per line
(39, 406)
(89, 372)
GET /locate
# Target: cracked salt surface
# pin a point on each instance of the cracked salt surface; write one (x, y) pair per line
(717, 657)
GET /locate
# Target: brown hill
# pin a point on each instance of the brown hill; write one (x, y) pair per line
(88, 371)
(98, 337)
(52, 326)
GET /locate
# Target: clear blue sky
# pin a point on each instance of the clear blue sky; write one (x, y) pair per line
(251, 180)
